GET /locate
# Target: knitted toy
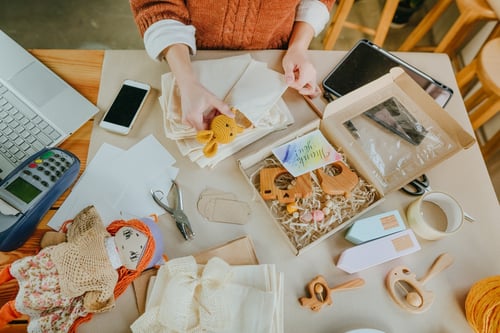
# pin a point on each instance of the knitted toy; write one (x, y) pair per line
(223, 130)
(63, 285)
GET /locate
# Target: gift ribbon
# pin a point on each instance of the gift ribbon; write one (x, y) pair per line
(193, 297)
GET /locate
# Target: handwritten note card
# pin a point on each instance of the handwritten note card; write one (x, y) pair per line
(304, 154)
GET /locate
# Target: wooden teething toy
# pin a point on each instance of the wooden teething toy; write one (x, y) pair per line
(269, 191)
(321, 293)
(417, 299)
(340, 184)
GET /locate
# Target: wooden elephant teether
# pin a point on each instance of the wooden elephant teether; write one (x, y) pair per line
(321, 293)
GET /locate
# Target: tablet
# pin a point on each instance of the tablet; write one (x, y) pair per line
(366, 62)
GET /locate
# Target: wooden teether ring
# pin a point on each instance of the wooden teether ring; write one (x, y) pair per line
(403, 274)
(321, 294)
(269, 191)
(340, 184)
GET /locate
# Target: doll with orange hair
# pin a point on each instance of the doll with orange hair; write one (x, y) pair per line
(64, 284)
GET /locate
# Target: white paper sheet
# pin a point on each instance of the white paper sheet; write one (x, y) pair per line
(119, 182)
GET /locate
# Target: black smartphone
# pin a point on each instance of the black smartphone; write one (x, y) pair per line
(366, 62)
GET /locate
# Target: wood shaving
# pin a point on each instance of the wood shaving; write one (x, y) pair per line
(339, 210)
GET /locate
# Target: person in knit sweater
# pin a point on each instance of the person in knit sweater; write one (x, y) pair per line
(173, 30)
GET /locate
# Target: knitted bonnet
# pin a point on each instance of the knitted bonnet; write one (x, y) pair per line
(159, 248)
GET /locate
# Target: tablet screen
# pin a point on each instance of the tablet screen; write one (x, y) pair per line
(366, 62)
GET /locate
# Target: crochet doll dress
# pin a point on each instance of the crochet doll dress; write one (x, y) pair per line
(52, 284)
(64, 284)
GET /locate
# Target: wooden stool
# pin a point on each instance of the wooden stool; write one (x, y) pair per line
(484, 103)
(339, 21)
(471, 12)
(466, 77)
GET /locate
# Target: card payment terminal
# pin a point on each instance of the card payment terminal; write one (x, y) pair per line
(29, 192)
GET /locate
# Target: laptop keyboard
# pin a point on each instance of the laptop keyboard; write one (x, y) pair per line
(22, 131)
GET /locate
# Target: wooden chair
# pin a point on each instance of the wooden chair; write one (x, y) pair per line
(471, 13)
(484, 103)
(466, 77)
(339, 21)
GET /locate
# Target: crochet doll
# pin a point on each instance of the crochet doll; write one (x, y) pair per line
(64, 284)
(223, 129)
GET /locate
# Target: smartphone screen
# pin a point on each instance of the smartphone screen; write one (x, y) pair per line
(125, 106)
(366, 62)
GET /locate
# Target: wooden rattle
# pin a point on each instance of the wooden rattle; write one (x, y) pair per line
(417, 299)
(269, 191)
(321, 293)
(340, 184)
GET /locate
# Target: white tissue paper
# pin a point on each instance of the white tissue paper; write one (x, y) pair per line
(243, 83)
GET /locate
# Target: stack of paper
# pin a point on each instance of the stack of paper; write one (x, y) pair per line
(241, 82)
(216, 297)
(119, 183)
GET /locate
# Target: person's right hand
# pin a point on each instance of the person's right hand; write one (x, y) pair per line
(200, 106)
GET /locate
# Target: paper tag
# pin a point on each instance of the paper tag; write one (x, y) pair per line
(219, 206)
(307, 153)
(228, 211)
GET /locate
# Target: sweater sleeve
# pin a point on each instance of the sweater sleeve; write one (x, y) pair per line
(314, 12)
(164, 33)
(147, 12)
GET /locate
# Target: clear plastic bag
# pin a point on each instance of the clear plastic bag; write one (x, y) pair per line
(398, 140)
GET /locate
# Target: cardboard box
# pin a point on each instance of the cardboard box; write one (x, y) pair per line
(390, 132)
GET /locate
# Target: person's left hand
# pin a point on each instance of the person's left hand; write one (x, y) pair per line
(300, 73)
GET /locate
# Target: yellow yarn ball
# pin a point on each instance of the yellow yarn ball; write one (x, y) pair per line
(482, 305)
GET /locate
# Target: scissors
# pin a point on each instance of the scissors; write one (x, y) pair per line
(418, 186)
(177, 212)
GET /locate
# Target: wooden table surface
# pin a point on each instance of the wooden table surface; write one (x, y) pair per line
(82, 70)
(475, 248)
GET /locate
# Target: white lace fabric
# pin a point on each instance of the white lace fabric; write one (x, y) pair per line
(216, 297)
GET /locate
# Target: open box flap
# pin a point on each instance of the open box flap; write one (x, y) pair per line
(448, 123)
(392, 130)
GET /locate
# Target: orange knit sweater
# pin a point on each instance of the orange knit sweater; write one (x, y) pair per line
(226, 24)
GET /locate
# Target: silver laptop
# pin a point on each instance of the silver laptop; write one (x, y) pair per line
(37, 108)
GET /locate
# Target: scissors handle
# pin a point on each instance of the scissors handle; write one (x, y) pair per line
(413, 189)
(417, 187)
